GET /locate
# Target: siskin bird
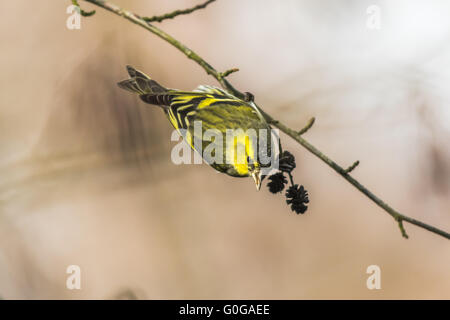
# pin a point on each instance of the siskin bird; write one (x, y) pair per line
(216, 110)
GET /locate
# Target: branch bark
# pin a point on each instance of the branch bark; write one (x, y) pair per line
(296, 135)
(172, 15)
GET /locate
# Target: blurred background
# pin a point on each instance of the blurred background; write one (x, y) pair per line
(87, 180)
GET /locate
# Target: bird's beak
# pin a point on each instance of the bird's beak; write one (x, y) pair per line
(256, 176)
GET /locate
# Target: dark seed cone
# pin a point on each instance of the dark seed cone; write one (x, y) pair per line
(297, 198)
(277, 182)
(287, 162)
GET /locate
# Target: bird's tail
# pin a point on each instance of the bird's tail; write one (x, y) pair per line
(140, 83)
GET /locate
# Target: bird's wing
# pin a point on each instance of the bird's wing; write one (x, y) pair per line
(184, 105)
(220, 92)
(213, 90)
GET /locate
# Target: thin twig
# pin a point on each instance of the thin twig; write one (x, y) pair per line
(353, 166)
(175, 13)
(291, 178)
(307, 127)
(82, 12)
(228, 72)
(288, 131)
(402, 229)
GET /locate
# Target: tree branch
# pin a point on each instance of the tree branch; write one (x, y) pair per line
(175, 13)
(220, 77)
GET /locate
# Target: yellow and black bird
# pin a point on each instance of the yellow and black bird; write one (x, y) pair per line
(215, 109)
